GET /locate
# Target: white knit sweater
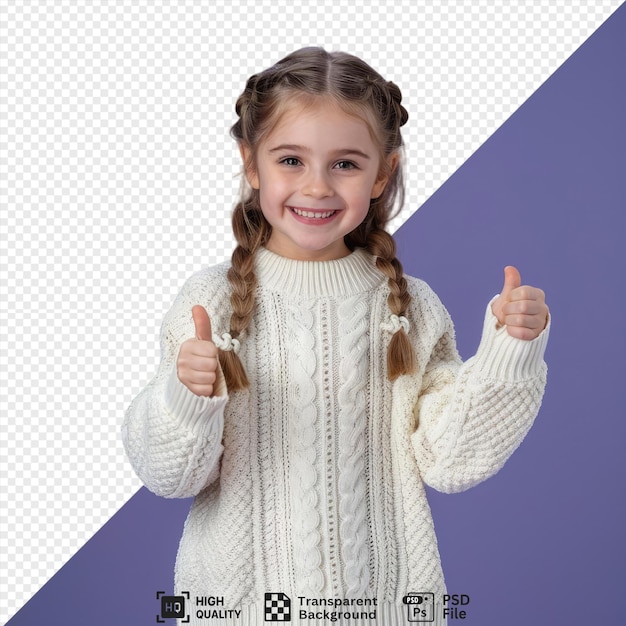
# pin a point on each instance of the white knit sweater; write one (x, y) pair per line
(310, 482)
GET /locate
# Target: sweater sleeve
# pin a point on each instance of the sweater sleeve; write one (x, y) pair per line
(472, 416)
(172, 437)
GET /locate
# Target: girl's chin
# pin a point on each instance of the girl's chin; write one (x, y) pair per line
(309, 251)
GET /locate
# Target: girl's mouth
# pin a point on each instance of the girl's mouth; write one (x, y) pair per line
(316, 215)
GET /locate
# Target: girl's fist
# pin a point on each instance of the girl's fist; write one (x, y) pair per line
(521, 308)
(197, 363)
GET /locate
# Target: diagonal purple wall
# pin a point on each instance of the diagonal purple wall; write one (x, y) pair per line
(543, 541)
(545, 538)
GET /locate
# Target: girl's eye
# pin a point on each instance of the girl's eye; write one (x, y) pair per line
(345, 165)
(290, 161)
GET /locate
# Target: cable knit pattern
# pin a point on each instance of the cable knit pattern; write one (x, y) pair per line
(302, 430)
(311, 482)
(270, 492)
(352, 419)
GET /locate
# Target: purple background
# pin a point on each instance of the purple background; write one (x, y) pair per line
(547, 193)
(544, 540)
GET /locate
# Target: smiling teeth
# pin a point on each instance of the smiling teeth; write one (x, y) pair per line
(313, 214)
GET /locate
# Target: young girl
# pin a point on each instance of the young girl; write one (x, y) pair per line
(308, 389)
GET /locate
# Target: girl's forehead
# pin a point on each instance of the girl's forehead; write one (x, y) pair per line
(319, 116)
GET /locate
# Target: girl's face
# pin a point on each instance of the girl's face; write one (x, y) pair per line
(316, 172)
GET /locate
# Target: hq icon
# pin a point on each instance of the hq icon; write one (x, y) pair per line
(172, 607)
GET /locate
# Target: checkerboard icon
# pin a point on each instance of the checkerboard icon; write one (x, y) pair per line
(277, 607)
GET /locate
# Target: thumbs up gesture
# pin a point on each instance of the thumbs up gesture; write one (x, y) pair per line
(521, 308)
(197, 363)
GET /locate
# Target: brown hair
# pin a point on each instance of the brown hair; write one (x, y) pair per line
(351, 83)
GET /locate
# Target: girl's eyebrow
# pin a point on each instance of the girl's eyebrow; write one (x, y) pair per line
(342, 151)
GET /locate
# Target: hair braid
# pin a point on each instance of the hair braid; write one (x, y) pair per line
(251, 231)
(400, 353)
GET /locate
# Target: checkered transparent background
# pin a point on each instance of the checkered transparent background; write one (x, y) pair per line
(118, 177)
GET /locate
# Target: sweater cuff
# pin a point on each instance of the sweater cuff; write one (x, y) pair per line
(502, 357)
(201, 414)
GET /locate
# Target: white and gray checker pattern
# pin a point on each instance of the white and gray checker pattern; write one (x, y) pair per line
(117, 180)
(277, 607)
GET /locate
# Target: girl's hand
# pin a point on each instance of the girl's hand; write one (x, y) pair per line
(522, 309)
(197, 358)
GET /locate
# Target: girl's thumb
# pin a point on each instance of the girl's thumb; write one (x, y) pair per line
(202, 323)
(512, 280)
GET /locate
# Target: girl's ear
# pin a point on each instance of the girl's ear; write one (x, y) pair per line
(383, 176)
(248, 165)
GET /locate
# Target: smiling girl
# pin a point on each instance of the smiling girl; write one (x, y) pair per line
(317, 190)
(308, 389)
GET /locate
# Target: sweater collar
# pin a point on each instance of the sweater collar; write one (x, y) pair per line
(350, 275)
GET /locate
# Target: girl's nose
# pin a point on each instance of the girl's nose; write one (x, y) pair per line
(317, 185)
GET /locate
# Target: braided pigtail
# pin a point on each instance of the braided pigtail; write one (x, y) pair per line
(251, 231)
(385, 102)
(400, 353)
